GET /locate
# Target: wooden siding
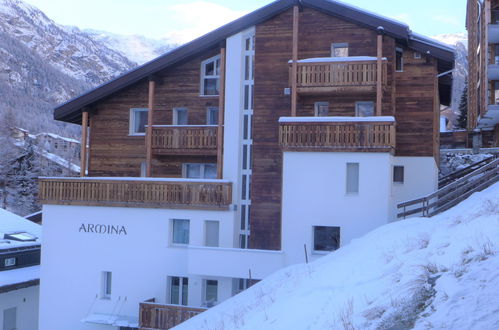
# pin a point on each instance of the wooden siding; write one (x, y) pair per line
(136, 193)
(417, 111)
(113, 152)
(156, 316)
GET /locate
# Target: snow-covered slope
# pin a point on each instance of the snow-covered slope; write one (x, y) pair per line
(452, 38)
(69, 50)
(137, 48)
(438, 273)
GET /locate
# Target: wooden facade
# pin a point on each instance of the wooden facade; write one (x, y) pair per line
(293, 33)
(483, 39)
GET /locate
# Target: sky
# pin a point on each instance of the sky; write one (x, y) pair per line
(183, 20)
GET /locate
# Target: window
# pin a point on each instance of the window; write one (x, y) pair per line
(9, 262)
(211, 233)
(179, 290)
(211, 292)
(339, 50)
(239, 285)
(180, 116)
(364, 109)
(200, 171)
(326, 238)
(10, 319)
(210, 76)
(20, 236)
(138, 121)
(398, 174)
(143, 169)
(321, 109)
(352, 178)
(180, 230)
(212, 116)
(106, 285)
(417, 55)
(399, 61)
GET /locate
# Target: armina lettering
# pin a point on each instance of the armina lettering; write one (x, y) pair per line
(102, 229)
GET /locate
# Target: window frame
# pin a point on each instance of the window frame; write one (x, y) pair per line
(175, 118)
(206, 222)
(338, 45)
(202, 170)
(205, 293)
(10, 262)
(402, 174)
(358, 103)
(172, 236)
(399, 50)
(210, 109)
(181, 294)
(347, 186)
(214, 76)
(318, 105)
(107, 285)
(325, 251)
(132, 119)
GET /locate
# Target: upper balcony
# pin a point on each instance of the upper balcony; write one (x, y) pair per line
(357, 74)
(184, 139)
(137, 192)
(345, 134)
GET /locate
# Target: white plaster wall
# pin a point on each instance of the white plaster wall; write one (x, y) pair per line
(314, 193)
(26, 302)
(140, 262)
(420, 179)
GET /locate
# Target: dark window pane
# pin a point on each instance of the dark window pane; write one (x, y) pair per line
(399, 66)
(211, 86)
(247, 68)
(243, 217)
(245, 127)
(245, 157)
(398, 174)
(326, 238)
(243, 187)
(246, 97)
(209, 69)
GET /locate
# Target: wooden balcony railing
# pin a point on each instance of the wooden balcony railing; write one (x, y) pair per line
(337, 135)
(359, 76)
(156, 316)
(174, 140)
(157, 193)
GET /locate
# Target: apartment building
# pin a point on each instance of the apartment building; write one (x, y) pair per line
(270, 141)
(482, 23)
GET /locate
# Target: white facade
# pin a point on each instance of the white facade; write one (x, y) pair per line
(23, 305)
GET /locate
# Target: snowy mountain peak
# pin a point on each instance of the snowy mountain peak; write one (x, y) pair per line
(453, 38)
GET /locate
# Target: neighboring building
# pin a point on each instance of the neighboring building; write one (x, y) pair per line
(270, 141)
(20, 241)
(482, 23)
(64, 147)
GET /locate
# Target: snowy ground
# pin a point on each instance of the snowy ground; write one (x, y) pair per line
(438, 273)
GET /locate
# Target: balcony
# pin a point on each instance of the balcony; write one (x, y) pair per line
(341, 74)
(184, 140)
(346, 134)
(137, 192)
(158, 316)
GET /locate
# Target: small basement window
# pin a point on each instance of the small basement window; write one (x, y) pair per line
(326, 238)
(138, 121)
(352, 178)
(210, 76)
(106, 285)
(398, 174)
(10, 262)
(399, 59)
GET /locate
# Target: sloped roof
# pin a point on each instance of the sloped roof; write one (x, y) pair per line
(11, 224)
(71, 110)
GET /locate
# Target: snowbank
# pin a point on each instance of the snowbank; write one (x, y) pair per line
(420, 273)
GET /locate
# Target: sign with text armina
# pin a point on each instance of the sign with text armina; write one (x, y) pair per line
(102, 229)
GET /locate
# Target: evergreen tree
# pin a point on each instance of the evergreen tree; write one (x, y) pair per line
(462, 120)
(25, 176)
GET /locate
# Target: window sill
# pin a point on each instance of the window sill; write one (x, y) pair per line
(206, 96)
(137, 134)
(321, 253)
(351, 194)
(179, 245)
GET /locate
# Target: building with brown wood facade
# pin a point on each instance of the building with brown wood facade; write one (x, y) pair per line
(482, 23)
(269, 141)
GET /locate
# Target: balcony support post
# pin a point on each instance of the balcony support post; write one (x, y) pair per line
(379, 75)
(83, 147)
(221, 114)
(294, 65)
(152, 86)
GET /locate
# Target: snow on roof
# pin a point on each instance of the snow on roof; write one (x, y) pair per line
(58, 160)
(440, 272)
(338, 59)
(431, 41)
(114, 320)
(19, 275)
(335, 119)
(11, 223)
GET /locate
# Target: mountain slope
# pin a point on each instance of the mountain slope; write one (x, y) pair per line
(438, 273)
